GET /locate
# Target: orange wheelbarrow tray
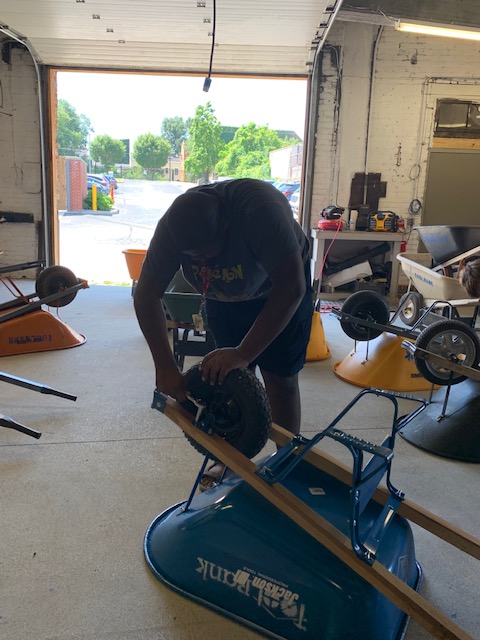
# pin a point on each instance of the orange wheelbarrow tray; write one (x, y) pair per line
(25, 327)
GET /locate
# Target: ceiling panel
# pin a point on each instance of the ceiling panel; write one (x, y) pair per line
(251, 37)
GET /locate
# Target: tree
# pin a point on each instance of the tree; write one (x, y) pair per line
(175, 131)
(72, 129)
(247, 155)
(204, 143)
(107, 151)
(151, 152)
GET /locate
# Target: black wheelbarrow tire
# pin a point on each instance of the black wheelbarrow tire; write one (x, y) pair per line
(240, 407)
(411, 305)
(449, 339)
(54, 280)
(365, 305)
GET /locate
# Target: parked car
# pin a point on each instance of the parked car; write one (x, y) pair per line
(101, 188)
(99, 177)
(294, 203)
(111, 180)
(287, 188)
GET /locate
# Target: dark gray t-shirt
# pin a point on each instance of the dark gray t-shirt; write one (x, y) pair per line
(262, 233)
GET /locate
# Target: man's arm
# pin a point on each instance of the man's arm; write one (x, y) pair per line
(288, 289)
(153, 323)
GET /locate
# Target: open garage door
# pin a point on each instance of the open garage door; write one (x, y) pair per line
(251, 127)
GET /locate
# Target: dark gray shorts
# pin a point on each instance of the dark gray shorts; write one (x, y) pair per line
(229, 322)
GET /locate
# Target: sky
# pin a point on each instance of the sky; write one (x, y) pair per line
(127, 105)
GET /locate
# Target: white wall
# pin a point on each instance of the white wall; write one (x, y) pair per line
(286, 163)
(409, 74)
(20, 164)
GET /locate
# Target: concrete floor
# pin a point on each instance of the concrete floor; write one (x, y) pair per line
(76, 503)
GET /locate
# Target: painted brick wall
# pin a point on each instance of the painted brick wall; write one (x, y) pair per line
(410, 73)
(76, 187)
(325, 141)
(394, 137)
(20, 158)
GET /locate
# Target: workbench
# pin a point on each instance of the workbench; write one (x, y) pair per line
(321, 241)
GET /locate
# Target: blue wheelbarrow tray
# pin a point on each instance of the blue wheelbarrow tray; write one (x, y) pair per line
(236, 553)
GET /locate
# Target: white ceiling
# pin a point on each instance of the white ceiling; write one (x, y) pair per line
(271, 37)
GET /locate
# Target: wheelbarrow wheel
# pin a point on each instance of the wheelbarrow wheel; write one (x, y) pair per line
(365, 305)
(411, 305)
(452, 340)
(55, 280)
(240, 408)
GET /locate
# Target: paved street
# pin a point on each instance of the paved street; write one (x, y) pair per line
(91, 245)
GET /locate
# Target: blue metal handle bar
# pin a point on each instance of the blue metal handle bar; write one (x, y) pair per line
(277, 468)
(364, 479)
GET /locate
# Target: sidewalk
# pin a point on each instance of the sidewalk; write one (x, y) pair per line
(83, 212)
(92, 242)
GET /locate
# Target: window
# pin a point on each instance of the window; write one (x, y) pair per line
(457, 119)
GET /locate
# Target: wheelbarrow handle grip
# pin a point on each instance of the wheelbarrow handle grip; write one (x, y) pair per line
(34, 386)
(5, 421)
(60, 394)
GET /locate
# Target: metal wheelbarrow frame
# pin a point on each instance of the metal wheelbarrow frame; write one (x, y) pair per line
(365, 315)
(439, 315)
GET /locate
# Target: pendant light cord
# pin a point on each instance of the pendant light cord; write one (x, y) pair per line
(208, 79)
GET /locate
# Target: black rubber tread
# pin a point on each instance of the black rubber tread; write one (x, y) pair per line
(241, 408)
(53, 280)
(432, 339)
(365, 305)
(411, 305)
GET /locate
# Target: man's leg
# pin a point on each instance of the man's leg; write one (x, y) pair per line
(284, 396)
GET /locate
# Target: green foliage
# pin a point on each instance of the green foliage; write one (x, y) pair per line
(134, 173)
(204, 143)
(72, 129)
(175, 131)
(247, 155)
(228, 133)
(104, 203)
(106, 150)
(151, 152)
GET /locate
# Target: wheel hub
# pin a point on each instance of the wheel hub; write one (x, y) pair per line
(226, 414)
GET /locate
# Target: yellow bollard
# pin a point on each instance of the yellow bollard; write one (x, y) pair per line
(317, 347)
(111, 193)
(94, 197)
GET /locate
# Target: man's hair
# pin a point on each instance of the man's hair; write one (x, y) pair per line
(193, 220)
(469, 275)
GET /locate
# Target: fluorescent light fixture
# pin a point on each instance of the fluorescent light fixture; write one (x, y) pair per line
(444, 30)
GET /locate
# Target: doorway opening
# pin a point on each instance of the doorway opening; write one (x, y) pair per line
(136, 108)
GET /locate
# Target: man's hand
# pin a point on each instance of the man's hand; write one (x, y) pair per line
(217, 364)
(171, 383)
